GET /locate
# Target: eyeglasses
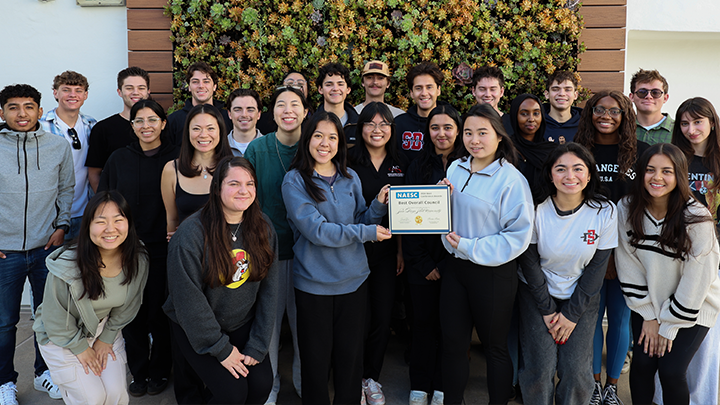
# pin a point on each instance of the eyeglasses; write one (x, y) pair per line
(599, 111)
(655, 93)
(288, 87)
(372, 126)
(75, 140)
(151, 122)
(295, 83)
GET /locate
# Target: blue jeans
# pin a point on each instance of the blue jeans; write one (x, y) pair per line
(13, 271)
(74, 229)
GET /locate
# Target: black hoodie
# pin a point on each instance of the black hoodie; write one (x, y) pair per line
(137, 177)
(554, 130)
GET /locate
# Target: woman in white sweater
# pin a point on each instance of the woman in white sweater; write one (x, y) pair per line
(667, 263)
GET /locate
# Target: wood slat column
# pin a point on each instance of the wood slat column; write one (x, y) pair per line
(602, 66)
(149, 46)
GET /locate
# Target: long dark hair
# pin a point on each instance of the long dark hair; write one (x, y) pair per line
(217, 260)
(427, 153)
(674, 235)
(592, 197)
(304, 162)
(88, 257)
(359, 154)
(506, 149)
(222, 149)
(585, 135)
(515, 109)
(695, 108)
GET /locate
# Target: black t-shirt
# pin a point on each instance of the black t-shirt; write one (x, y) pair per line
(372, 180)
(701, 180)
(107, 136)
(606, 157)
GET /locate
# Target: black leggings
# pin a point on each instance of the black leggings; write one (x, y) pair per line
(225, 389)
(483, 297)
(671, 368)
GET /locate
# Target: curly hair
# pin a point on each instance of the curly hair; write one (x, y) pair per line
(70, 78)
(587, 132)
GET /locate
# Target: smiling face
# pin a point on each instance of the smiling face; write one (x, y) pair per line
(288, 112)
(529, 118)
(697, 131)
(561, 95)
(70, 98)
(134, 89)
(21, 114)
(202, 88)
(425, 93)
(648, 105)
(376, 133)
(570, 175)
(607, 125)
(443, 131)
(375, 85)
(660, 179)
(237, 191)
(481, 140)
(204, 132)
(108, 228)
(324, 145)
(148, 127)
(244, 113)
(488, 91)
(334, 89)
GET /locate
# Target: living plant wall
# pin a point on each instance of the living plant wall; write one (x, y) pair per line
(254, 43)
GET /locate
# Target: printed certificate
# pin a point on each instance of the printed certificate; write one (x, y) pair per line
(419, 209)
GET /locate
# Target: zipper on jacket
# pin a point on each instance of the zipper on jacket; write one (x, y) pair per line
(466, 182)
(27, 191)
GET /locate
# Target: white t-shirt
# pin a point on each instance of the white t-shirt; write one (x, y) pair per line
(240, 146)
(80, 199)
(566, 244)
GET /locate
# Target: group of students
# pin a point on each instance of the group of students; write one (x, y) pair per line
(205, 247)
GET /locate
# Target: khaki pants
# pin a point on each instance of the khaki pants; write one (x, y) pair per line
(76, 387)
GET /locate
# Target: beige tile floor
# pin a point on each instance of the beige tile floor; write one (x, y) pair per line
(394, 378)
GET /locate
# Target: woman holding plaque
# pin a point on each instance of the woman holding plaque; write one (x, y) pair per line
(376, 161)
(425, 256)
(492, 226)
(330, 223)
(559, 293)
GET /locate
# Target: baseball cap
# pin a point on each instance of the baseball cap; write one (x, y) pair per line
(376, 66)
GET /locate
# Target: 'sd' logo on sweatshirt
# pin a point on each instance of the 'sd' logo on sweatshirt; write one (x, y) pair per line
(589, 237)
(242, 268)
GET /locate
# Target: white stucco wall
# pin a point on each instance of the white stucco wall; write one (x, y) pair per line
(673, 15)
(43, 39)
(688, 60)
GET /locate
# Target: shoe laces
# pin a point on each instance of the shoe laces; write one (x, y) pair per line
(8, 393)
(597, 395)
(610, 395)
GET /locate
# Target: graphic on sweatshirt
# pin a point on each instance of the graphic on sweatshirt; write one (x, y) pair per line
(242, 268)
(412, 141)
(702, 183)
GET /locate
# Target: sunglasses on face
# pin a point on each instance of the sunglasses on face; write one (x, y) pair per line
(655, 93)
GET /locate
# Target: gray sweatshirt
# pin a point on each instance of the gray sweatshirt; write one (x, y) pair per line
(208, 314)
(37, 180)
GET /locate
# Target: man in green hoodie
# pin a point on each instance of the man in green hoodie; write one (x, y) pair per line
(38, 179)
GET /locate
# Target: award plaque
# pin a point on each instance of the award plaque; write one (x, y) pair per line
(419, 209)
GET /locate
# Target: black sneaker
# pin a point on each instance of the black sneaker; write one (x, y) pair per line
(156, 385)
(138, 388)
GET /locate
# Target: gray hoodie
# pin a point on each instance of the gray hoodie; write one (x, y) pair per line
(68, 320)
(37, 180)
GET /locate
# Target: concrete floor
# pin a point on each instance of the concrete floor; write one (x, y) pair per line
(394, 378)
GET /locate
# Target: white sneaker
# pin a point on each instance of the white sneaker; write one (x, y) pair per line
(373, 392)
(438, 398)
(418, 397)
(44, 383)
(8, 394)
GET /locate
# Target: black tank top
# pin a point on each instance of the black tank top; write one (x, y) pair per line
(185, 202)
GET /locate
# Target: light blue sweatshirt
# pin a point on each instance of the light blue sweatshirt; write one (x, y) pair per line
(492, 212)
(329, 236)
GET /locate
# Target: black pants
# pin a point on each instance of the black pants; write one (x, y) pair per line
(145, 361)
(330, 335)
(226, 389)
(483, 297)
(381, 298)
(671, 368)
(426, 348)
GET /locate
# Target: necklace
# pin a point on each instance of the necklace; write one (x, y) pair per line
(277, 149)
(234, 234)
(205, 173)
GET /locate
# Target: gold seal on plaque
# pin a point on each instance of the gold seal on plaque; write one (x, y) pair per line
(418, 220)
